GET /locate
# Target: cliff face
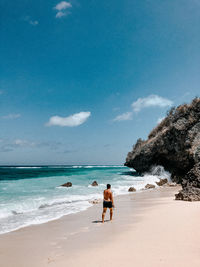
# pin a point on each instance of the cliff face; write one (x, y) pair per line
(174, 144)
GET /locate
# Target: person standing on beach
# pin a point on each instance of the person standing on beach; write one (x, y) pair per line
(108, 202)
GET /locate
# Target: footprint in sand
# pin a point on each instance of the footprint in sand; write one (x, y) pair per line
(49, 260)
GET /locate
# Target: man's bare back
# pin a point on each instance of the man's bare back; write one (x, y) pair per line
(107, 194)
(108, 202)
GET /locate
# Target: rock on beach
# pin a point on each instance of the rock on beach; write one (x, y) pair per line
(149, 186)
(94, 183)
(162, 182)
(131, 189)
(68, 184)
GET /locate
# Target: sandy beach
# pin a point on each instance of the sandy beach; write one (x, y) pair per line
(100, 100)
(149, 229)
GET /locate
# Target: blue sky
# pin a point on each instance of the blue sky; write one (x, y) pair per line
(82, 80)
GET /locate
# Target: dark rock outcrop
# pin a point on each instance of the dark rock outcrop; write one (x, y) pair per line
(191, 185)
(175, 145)
(162, 182)
(95, 201)
(94, 183)
(131, 189)
(149, 186)
(68, 184)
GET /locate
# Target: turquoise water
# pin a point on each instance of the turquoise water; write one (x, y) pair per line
(33, 195)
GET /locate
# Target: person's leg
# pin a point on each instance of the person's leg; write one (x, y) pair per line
(111, 213)
(103, 214)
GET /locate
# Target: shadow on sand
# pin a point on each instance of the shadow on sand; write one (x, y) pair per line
(100, 221)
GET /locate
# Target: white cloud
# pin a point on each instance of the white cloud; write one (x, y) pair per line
(124, 117)
(20, 142)
(34, 22)
(60, 14)
(160, 119)
(140, 103)
(30, 21)
(151, 101)
(11, 116)
(70, 121)
(8, 145)
(60, 7)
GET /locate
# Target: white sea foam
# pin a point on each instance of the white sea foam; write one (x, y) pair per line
(18, 220)
(98, 166)
(38, 201)
(36, 212)
(139, 182)
(25, 167)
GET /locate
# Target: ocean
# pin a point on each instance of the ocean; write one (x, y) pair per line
(33, 195)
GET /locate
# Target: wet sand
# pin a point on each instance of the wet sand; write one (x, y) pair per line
(149, 229)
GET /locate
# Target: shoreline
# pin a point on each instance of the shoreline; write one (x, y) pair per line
(50, 201)
(73, 238)
(100, 202)
(140, 191)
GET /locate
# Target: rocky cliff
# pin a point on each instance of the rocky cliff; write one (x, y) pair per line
(174, 144)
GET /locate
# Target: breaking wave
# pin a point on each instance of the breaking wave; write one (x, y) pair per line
(34, 201)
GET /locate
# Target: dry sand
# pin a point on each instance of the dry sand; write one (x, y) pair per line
(149, 229)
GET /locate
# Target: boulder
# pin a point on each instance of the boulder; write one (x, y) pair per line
(188, 194)
(94, 183)
(172, 184)
(162, 182)
(149, 186)
(131, 189)
(68, 184)
(95, 201)
(174, 144)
